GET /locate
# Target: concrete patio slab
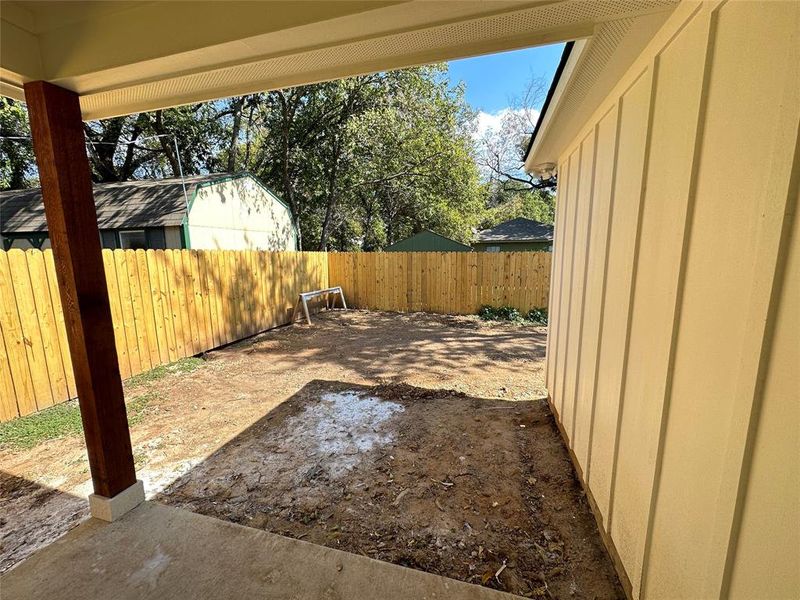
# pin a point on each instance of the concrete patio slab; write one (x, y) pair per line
(167, 553)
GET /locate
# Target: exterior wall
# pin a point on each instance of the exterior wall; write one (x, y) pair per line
(239, 214)
(514, 247)
(172, 238)
(672, 362)
(158, 238)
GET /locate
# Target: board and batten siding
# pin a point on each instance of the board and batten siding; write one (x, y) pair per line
(673, 358)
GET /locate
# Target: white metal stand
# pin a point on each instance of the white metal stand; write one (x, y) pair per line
(328, 293)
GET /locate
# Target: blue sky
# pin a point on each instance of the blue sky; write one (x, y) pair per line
(491, 80)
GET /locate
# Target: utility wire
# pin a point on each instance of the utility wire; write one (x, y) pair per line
(91, 144)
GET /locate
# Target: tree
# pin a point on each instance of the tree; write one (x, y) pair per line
(510, 191)
(362, 161)
(502, 150)
(17, 162)
(415, 163)
(143, 146)
(506, 202)
(366, 160)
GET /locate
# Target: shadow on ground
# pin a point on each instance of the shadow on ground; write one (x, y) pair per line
(49, 513)
(475, 489)
(414, 348)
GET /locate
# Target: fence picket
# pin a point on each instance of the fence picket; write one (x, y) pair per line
(444, 282)
(24, 395)
(47, 327)
(61, 328)
(30, 331)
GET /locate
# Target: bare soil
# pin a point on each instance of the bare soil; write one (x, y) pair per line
(421, 440)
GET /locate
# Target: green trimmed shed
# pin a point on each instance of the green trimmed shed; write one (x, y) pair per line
(202, 212)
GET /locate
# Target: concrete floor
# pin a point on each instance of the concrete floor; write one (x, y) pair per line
(167, 553)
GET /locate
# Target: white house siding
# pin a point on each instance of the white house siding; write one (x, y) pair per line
(673, 358)
(239, 214)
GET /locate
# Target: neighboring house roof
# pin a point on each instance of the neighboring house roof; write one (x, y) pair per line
(430, 241)
(129, 204)
(517, 230)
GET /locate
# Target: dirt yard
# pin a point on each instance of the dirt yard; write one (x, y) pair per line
(421, 440)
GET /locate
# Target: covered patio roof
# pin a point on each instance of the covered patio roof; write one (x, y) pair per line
(74, 61)
(133, 56)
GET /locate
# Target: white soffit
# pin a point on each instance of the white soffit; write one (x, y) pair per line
(591, 72)
(133, 56)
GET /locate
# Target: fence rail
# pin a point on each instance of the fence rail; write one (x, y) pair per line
(165, 305)
(170, 304)
(442, 282)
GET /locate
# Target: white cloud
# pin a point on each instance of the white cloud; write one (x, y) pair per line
(492, 122)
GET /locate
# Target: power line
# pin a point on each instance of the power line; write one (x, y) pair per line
(91, 144)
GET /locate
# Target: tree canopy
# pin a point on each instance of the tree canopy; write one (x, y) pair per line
(362, 162)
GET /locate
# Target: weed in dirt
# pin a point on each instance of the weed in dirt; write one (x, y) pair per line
(139, 459)
(535, 316)
(185, 365)
(62, 420)
(136, 407)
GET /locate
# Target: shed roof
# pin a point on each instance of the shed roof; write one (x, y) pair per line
(517, 230)
(428, 241)
(147, 203)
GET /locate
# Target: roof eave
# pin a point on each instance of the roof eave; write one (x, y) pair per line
(573, 51)
(594, 67)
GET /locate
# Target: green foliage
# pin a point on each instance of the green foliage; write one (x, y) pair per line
(538, 315)
(17, 162)
(509, 201)
(185, 365)
(369, 160)
(510, 314)
(61, 420)
(362, 162)
(502, 313)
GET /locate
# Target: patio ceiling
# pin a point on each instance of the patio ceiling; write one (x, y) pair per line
(125, 57)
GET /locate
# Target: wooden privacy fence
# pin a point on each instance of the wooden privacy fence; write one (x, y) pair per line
(170, 304)
(442, 282)
(165, 304)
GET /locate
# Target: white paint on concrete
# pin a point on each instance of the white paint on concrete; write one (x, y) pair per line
(147, 575)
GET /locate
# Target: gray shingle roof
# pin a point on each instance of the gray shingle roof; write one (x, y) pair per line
(149, 203)
(518, 230)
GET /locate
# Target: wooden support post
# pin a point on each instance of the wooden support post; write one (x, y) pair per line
(60, 148)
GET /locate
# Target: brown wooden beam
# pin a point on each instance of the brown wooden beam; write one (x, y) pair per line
(60, 147)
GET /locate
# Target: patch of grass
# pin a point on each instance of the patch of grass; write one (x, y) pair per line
(61, 420)
(57, 421)
(510, 314)
(185, 365)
